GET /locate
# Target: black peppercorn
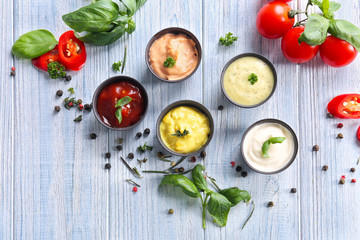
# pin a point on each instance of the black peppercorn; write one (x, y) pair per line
(293, 190)
(12, 73)
(181, 169)
(220, 107)
(68, 78)
(57, 108)
(238, 168)
(119, 147)
(130, 155)
(244, 174)
(87, 107)
(340, 136)
(107, 166)
(138, 135)
(59, 93)
(108, 155)
(203, 154)
(171, 211)
(120, 140)
(329, 115)
(352, 169)
(270, 204)
(147, 131)
(176, 170)
(79, 101)
(342, 181)
(93, 135)
(316, 148)
(325, 167)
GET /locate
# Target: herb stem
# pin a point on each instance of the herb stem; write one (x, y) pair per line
(132, 182)
(124, 60)
(214, 182)
(164, 160)
(307, 7)
(249, 216)
(204, 205)
(177, 163)
(154, 171)
(187, 171)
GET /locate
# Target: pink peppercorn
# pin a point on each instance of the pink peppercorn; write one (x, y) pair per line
(135, 189)
(232, 163)
(71, 104)
(343, 177)
(193, 159)
(340, 125)
(81, 107)
(353, 180)
(13, 68)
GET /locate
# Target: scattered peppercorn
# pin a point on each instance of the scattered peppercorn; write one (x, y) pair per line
(78, 119)
(352, 169)
(13, 69)
(88, 107)
(176, 170)
(232, 163)
(120, 140)
(325, 167)
(81, 107)
(343, 177)
(173, 163)
(342, 181)
(12, 73)
(70, 104)
(181, 169)
(130, 155)
(59, 93)
(57, 108)
(107, 166)
(353, 180)
(270, 204)
(119, 147)
(108, 155)
(340, 136)
(79, 101)
(138, 135)
(244, 174)
(316, 148)
(93, 136)
(135, 189)
(220, 107)
(238, 168)
(329, 115)
(193, 159)
(203, 154)
(340, 125)
(293, 190)
(171, 211)
(160, 154)
(147, 131)
(68, 78)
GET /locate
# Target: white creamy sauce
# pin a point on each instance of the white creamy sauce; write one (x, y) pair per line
(280, 153)
(238, 87)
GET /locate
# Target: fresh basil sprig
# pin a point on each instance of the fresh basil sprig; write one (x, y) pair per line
(34, 44)
(122, 102)
(218, 204)
(266, 145)
(315, 31)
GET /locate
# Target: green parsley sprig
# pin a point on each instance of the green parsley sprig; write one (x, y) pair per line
(169, 62)
(228, 40)
(56, 69)
(145, 147)
(253, 78)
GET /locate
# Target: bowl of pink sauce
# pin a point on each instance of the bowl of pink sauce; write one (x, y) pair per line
(173, 54)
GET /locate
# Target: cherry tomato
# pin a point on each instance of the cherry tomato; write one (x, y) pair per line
(358, 134)
(273, 20)
(294, 52)
(43, 61)
(282, 0)
(336, 52)
(72, 51)
(345, 106)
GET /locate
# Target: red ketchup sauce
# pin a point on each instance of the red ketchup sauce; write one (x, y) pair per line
(131, 112)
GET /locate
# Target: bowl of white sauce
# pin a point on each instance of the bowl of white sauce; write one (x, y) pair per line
(248, 80)
(269, 146)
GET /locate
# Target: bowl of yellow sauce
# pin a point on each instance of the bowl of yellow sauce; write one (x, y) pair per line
(185, 128)
(248, 80)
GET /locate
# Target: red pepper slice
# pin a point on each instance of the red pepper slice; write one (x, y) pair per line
(358, 134)
(345, 106)
(72, 51)
(43, 61)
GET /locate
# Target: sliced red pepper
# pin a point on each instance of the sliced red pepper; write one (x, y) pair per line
(345, 106)
(72, 51)
(43, 61)
(358, 134)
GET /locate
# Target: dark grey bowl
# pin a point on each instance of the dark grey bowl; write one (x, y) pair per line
(174, 30)
(248, 55)
(189, 103)
(271, 120)
(119, 79)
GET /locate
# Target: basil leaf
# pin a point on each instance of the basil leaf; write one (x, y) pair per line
(95, 17)
(235, 195)
(131, 6)
(186, 184)
(130, 27)
(219, 208)
(104, 38)
(123, 101)
(118, 115)
(266, 145)
(334, 6)
(326, 9)
(274, 140)
(198, 177)
(315, 30)
(34, 44)
(346, 31)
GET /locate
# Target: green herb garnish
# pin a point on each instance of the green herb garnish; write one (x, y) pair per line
(266, 145)
(228, 39)
(78, 119)
(169, 62)
(116, 66)
(178, 133)
(119, 104)
(71, 90)
(124, 60)
(56, 69)
(253, 78)
(145, 147)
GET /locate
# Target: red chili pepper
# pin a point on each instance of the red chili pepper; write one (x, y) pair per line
(353, 180)
(358, 133)
(13, 68)
(193, 159)
(343, 177)
(340, 125)
(71, 104)
(135, 189)
(345, 106)
(232, 164)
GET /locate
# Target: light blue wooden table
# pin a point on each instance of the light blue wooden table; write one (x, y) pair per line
(52, 179)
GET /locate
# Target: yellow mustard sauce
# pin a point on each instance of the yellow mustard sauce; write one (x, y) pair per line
(181, 119)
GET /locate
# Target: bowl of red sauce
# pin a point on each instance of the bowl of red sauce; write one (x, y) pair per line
(120, 103)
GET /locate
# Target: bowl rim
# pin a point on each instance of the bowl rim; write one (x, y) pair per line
(174, 30)
(111, 80)
(271, 120)
(261, 57)
(195, 105)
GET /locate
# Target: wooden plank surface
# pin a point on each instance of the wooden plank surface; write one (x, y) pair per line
(52, 179)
